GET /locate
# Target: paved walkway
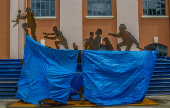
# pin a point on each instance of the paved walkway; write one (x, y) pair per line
(164, 102)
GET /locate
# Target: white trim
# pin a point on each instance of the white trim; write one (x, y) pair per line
(21, 32)
(45, 18)
(99, 17)
(71, 22)
(155, 17)
(13, 30)
(127, 13)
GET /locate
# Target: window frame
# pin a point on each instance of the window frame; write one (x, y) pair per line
(154, 8)
(156, 45)
(102, 16)
(44, 17)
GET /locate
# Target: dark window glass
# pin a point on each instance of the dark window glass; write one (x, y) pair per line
(154, 7)
(99, 7)
(43, 7)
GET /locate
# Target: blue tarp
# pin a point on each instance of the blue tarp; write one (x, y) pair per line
(109, 77)
(46, 73)
(77, 82)
(117, 77)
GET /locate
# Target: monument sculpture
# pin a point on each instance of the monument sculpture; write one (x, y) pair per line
(95, 44)
(58, 35)
(80, 92)
(151, 48)
(18, 18)
(46, 100)
(75, 47)
(30, 23)
(90, 43)
(108, 44)
(127, 37)
(98, 39)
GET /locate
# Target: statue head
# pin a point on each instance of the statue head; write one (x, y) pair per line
(28, 9)
(106, 39)
(122, 27)
(55, 28)
(98, 32)
(19, 11)
(91, 34)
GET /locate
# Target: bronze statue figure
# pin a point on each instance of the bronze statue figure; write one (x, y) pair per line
(81, 95)
(90, 43)
(75, 47)
(46, 100)
(98, 39)
(151, 48)
(102, 47)
(128, 38)
(18, 17)
(82, 87)
(30, 23)
(22, 62)
(58, 35)
(108, 44)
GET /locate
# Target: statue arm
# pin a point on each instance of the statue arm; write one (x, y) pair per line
(49, 34)
(21, 15)
(24, 17)
(115, 35)
(52, 38)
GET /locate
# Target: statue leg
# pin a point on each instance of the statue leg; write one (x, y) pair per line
(24, 26)
(56, 104)
(44, 100)
(15, 24)
(86, 45)
(33, 34)
(56, 44)
(66, 46)
(129, 46)
(119, 45)
(81, 95)
(70, 97)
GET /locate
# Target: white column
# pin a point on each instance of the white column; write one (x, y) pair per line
(71, 22)
(13, 30)
(21, 38)
(17, 32)
(127, 13)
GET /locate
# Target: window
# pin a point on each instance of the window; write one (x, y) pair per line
(162, 50)
(99, 7)
(154, 7)
(43, 7)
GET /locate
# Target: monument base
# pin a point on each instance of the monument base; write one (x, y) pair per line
(146, 101)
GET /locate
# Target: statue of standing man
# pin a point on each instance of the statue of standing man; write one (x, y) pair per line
(30, 23)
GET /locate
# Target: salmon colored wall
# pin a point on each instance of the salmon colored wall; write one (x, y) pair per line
(150, 28)
(107, 25)
(5, 29)
(47, 25)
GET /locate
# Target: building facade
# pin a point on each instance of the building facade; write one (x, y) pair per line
(147, 20)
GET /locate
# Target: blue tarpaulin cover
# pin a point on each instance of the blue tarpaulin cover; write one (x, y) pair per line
(117, 77)
(46, 73)
(77, 82)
